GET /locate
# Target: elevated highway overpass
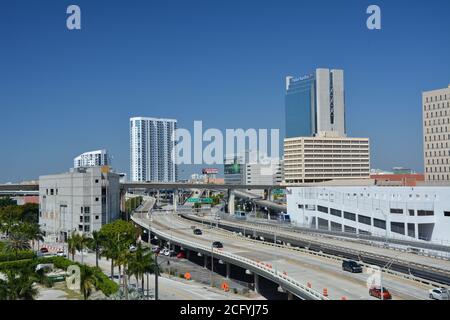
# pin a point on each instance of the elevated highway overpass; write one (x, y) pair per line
(302, 273)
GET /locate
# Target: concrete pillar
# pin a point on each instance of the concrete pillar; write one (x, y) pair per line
(256, 277)
(231, 202)
(157, 198)
(205, 261)
(290, 296)
(175, 200)
(269, 195)
(188, 254)
(228, 270)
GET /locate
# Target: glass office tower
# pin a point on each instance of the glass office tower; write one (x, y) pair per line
(315, 103)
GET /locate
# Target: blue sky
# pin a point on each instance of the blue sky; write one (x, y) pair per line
(65, 92)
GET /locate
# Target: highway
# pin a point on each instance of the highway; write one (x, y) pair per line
(346, 245)
(303, 267)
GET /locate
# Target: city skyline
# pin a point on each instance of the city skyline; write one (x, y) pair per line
(76, 96)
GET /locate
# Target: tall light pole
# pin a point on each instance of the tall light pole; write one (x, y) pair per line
(386, 224)
(212, 264)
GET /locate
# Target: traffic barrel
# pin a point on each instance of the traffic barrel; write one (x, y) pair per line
(187, 276)
(225, 287)
(343, 298)
(309, 285)
(325, 292)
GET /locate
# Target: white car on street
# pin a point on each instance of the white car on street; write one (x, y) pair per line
(439, 294)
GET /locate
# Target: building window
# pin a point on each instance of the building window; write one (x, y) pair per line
(397, 211)
(411, 212)
(87, 219)
(379, 223)
(81, 209)
(349, 229)
(96, 199)
(80, 227)
(96, 217)
(322, 209)
(425, 213)
(52, 192)
(87, 228)
(349, 216)
(364, 219)
(398, 227)
(87, 210)
(96, 180)
(334, 212)
(300, 206)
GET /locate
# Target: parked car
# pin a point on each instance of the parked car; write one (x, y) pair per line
(60, 253)
(439, 294)
(164, 252)
(156, 249)
(43, 250)
(217, 244)
(181, 255)
(197, 231)
(376, 292)
(351, 266)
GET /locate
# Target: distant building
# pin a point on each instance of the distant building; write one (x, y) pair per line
(406, 179)
(315, 103)
(240, 169)
(325, 157)
(92, 159)
(151, 149)
(410, 213)
(82, 200)
(436, 134)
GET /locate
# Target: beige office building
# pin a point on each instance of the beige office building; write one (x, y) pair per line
(436, 134)
(325, 157)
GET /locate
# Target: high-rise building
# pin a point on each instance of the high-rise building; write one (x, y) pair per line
(152, 149)
(315, 103)
(436, 134)
(92, 159)
(81, 200)
(325, 157)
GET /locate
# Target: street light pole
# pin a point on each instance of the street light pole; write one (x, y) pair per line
(156, 276)
(212, 264)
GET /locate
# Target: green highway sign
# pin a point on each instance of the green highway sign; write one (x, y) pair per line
(200, 200)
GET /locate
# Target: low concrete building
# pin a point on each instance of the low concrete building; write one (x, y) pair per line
(420, 213)
(81, 200)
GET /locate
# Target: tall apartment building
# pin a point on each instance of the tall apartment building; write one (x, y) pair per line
(436, 134)
(81, 200)
(325, 157)
(315, 103)
(152, 149)
(92, 159)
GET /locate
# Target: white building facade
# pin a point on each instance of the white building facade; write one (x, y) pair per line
(413, 213)
(81, 200)
(152, 149)
(92, 159)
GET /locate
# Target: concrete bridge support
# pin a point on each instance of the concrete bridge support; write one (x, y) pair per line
(175, 200)
(231, 204)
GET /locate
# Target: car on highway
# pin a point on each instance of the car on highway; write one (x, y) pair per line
(43, 250)
(439, 294)
(351, 266)
(217, 244)
(156, 249)
(376, 292)
(197, 231)
(181, 255)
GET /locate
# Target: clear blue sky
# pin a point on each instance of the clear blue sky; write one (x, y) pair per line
(65, 92)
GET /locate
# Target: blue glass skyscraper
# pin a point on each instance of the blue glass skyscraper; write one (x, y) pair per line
(315, 103)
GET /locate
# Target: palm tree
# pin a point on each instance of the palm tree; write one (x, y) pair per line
(18, 286)
(110, 251)
(140, 263)
(32, 231)
(72, 245)
(81, 242)
(16, 243)
(96, 243)
(88, 281)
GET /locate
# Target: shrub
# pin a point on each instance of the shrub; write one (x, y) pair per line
(21, 255)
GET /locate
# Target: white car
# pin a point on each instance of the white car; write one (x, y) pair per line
(60, 253)
(439, 294)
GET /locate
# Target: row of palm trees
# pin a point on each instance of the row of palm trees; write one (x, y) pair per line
(115, 246)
